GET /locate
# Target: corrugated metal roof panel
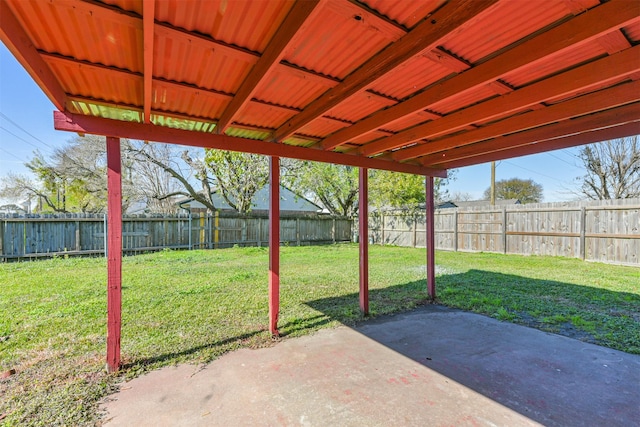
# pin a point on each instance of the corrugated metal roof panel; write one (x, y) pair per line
(463, 99)
(129, 5)
(408, 121)
(322, 127)
(170, 97)
(415, 74)
(84, 32)
(243, 132)
(369, 137)
(286, 86)
(195, 62)
(554, 64)
(104, 110)
(244, 23)
(97, 83)
(300, 142)
(262, 115)
(406, 13)
(632, 32)
(359, 106)
(181, 123)
(338, 48)
(508, 22)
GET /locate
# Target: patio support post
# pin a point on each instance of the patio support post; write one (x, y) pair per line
(274, 243)
(430, 242)
(363, 223)
(114, 253)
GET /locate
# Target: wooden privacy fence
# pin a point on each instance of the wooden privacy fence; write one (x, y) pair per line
(606, 231)
(80, 234)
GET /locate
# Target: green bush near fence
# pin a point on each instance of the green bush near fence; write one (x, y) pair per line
(193, 306)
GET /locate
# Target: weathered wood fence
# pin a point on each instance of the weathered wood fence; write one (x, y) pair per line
(57, 235)
(607, 231)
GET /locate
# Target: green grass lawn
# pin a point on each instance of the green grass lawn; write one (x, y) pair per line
(194, 306)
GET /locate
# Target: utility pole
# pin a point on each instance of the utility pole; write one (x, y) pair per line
(493, 183)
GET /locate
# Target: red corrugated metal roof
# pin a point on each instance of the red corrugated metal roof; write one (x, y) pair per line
(338, 75)
(406, 13)
(507, 23)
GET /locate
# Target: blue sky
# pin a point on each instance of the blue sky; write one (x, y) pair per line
(26, 124)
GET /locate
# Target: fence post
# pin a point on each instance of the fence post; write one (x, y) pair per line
(583, 232)
(4, 224)
(259, 238)
(216, 231)
(189, 230)
(415, 229)
(298, 231)
(455, 230)
(104, 229)
(78, 246)
(333, 230)
(382, 227)
(504, 229)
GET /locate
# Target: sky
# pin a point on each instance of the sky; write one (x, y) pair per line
(26, 125)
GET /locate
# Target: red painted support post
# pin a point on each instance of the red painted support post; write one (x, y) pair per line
(114, 253)
(363, 212)
(430, 242)
(274, 243)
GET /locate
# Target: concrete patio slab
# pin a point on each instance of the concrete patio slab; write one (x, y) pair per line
(430, 367)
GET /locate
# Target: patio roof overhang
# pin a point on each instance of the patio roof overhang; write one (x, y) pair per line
(417, 87)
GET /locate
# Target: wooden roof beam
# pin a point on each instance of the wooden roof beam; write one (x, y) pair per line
(617, 123)
(601, 71)
(18, 42)
(592, 24)
(425, 36)
(148, 18)
(586, 104)
(147, 132)
(297, 16)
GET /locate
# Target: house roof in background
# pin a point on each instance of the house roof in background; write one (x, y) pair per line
(476, 203)
(289, 201)
(418, 87)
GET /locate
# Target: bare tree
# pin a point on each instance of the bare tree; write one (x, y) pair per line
(238, 176)
(171, 162)
(613, 169)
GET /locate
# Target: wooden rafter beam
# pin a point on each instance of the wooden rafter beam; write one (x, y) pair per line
(148, 18)
(587, 137)
(18, 42)
(482, 152)
(425, 36)
(580, 106)
(272, 55)
(581, 78)
(99, 126)
(592, 24)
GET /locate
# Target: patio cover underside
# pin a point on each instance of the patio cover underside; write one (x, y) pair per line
(418, 87)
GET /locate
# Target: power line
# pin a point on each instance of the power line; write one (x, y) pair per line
(24, 130)
(11, 154)
(21, 139)
(536, 172)
(563, 160)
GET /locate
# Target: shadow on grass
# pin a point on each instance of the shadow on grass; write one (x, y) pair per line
(595, 315)
(309, 323)
(541, 376)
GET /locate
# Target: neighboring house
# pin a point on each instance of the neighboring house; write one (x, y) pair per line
(289, 203)
(13, 209)
(476, 203)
